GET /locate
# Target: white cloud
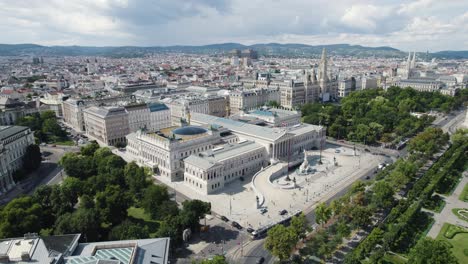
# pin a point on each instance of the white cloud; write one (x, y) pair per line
(421, 24)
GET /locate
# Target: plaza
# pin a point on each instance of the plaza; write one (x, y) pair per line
(340, 167)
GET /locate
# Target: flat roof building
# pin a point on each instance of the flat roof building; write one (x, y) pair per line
(66, 249)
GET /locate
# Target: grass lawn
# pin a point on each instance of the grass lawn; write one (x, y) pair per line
(394, 259)
(463, 215)
(464, 194)
(139, 215)
(65, 143)
(459, 241)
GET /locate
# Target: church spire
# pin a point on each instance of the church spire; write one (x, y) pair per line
(413, 62)
(323, 75)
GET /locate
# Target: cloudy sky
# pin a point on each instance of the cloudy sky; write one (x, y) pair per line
(408, 25)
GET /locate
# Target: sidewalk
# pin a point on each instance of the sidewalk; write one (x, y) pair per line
(446, 215)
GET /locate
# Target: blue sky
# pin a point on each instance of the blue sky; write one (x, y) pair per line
(408, 25)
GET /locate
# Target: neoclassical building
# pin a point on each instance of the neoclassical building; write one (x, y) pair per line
(209, 171)
(13, 143)
(166, 149)
(213, 151)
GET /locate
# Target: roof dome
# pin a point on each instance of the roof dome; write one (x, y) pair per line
(189, 131)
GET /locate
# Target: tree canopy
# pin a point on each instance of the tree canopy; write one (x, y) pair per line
(430, 251)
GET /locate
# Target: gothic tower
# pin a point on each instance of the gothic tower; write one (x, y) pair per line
(408, 65)
(323, 74)
(413, 62)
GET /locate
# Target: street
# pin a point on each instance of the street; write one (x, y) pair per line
(48, 173)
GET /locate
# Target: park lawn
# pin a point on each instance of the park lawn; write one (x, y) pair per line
(464, 194)
(463, 216)
(139, 215)
(459, 243)
(64, 143)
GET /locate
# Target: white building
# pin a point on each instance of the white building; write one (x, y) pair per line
(208, 172)
(179, 107)
(421, 84)
(13, 143)
(160, 116)
(278, 142)
(241, 100)
(166, 149)
(72, 110)
(274, 117)
(138, 116)
(108, 125)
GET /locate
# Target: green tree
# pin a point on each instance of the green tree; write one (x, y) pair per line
(171, 227)
(322, 213)
(136, 179)
(192, 212)
(84, 221)
(50, 126)
(20, 216)
(153, 196)
(218, 259)
(280, 241)
(128, 230)
(112, 204)
(32, 158)
(78, 166)
(48, 115)
(360, 216)
(299, 225)
(382, 195)
(428, 142)
(89, 149)
(430, 251)
(101, 153)
(273, 104)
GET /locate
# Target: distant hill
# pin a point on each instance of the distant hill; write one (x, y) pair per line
(450, 54)
(269, 49)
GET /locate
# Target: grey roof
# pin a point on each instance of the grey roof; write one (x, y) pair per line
(206, 160)
(154, 250)
(8, 131)
(104, 112)
(41, 249)
(155, 107)
(237, 126)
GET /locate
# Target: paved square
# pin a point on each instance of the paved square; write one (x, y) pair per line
(237, 201)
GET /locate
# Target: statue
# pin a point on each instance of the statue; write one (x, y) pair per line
(304, 168)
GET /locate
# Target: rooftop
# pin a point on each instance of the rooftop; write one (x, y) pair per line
(105, 111)
(65, 249)
(267, 133)
(8, 131)
(209, 159)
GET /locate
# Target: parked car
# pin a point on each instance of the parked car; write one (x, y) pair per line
(236, 225)
(283, 212)
(261, 260)
(225, 219)
(263, 210)
(249, 229)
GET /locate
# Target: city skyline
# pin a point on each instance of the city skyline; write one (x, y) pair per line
(417, 25)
